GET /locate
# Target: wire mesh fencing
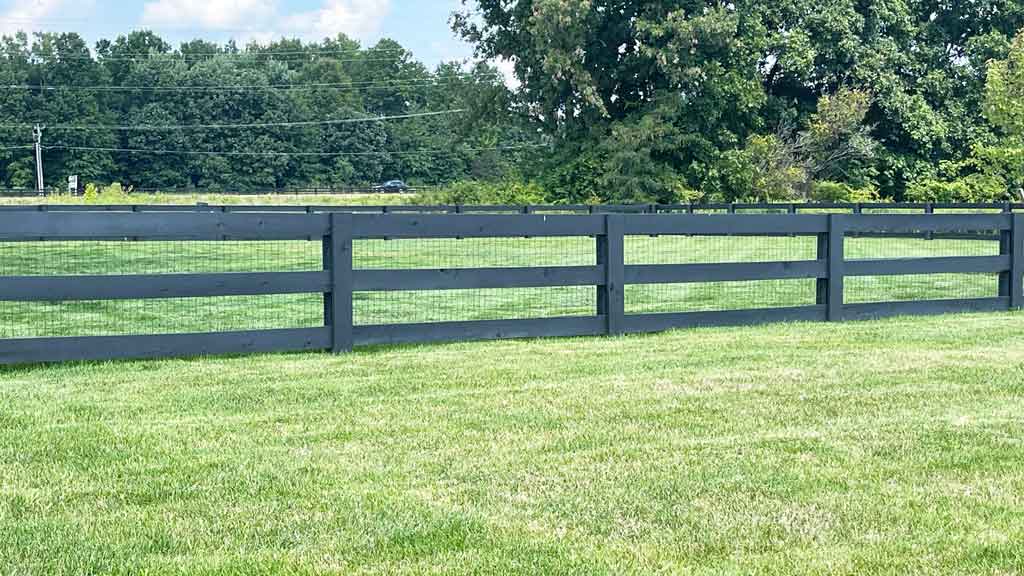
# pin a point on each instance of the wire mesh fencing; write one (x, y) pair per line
(504, 249)
(712, 296)
(121, 257)
(904, 288)
(157, 315)
(413, 307)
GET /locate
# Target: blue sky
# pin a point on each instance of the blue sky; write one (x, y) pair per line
(420, 25)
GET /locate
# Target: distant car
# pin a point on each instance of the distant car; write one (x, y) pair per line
(392, 186)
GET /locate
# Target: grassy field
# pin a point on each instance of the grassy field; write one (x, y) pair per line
(889, 447)
(244, 313)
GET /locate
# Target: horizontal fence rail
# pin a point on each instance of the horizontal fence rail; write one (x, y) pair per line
(614, 255)
(471, 209)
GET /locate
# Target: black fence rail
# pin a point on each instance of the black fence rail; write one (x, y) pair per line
(735, 208)
(617, 262)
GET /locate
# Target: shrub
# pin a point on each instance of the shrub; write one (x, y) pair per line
(828, 191)
(113, 194)
(472, 192)
(973, 188)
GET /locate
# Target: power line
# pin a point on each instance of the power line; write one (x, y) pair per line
(169, 57)
(291, 154)
(365, 85)
(22, 147)
(242, 54)
(37, 131)
(143, 127)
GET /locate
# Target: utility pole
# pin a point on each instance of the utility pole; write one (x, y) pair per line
(38, 133)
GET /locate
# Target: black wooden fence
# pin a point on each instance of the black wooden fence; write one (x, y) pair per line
(338, 280)
(731, 208)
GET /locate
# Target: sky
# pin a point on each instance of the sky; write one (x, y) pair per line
(419, 25)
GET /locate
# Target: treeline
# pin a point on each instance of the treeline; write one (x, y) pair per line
(620, 101)
(754, 100)
(103, 107)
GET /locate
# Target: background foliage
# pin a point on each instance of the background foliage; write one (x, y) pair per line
(622, 101)
(754, 100)
(139, 80)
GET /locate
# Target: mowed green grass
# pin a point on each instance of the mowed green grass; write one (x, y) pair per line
(890, 447)
(294, 311)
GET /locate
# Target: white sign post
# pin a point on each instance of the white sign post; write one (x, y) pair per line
(72, 185)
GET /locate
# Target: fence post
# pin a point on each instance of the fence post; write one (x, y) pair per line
(1011, 284)
(929, 208)
(338, 262)
(831, 247)
(611, 301)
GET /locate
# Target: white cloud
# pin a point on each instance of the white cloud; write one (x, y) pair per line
(37, 15)
(263, 19)
(508, 70)
(357, 18)
(206, 14)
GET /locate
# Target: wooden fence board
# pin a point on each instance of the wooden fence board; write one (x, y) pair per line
(923, 308)
(724, 272)
(920, 266)
(792, 208)
(476, 278)
(35, 350)
(475, 226)
(200, 226)
(338, 306)
(836, 287)
(1016, 273)
(718, 224)
(640, 323)
(141, 287)
(480, 330)
(909, 223)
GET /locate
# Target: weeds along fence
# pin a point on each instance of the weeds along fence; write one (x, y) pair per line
(91, 286)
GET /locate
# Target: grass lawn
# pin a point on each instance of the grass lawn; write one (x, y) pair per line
(890, 447)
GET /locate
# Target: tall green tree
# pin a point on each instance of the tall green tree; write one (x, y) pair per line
(132, 108)
(681, 83)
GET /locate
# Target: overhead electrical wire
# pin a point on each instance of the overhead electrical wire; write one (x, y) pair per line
(172, 57)
(288, 154)
(364, 85)
(241, 54)
(300, 123)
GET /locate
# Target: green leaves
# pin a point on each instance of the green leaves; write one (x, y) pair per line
(607, 78)
(1004, 92)
(140, 80)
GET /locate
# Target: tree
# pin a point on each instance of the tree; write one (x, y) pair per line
(174, 106)
(728, 71)
(838, 144)
(1004, 91)
(1003, 160)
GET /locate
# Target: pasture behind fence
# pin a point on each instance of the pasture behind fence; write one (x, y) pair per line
(85, 285)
